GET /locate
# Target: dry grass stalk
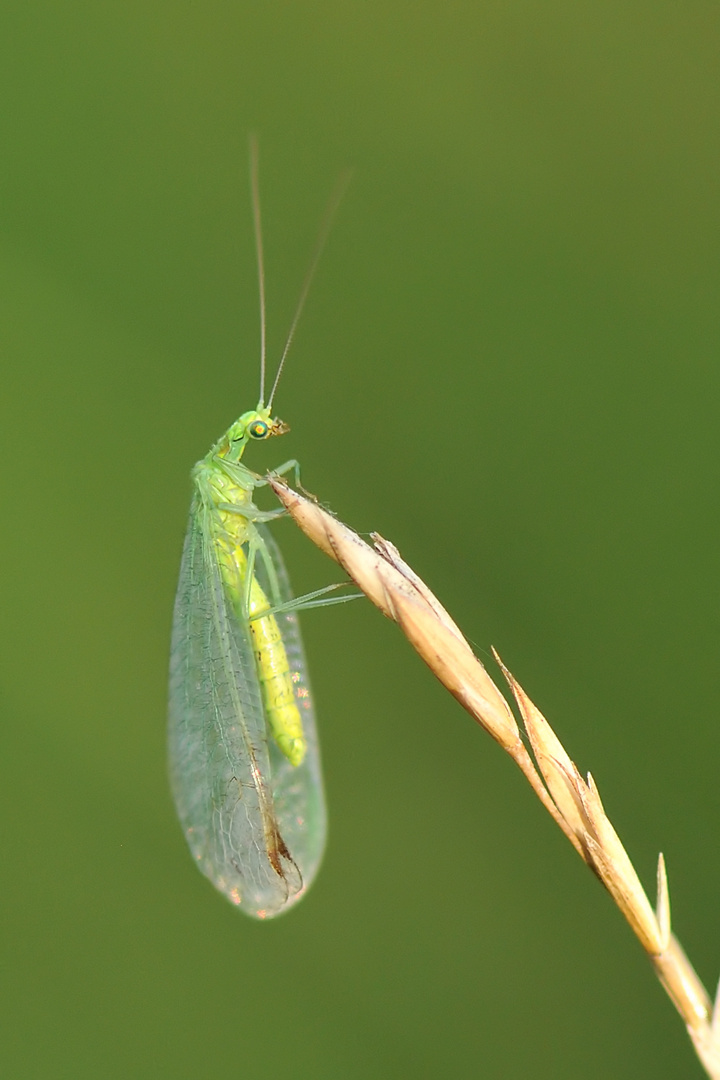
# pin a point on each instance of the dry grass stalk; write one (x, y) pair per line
(572, 801)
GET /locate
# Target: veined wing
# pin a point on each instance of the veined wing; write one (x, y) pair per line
(220, 767)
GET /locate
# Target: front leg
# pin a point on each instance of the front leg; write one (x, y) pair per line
(288, 466)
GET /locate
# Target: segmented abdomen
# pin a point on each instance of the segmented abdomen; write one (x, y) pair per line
(276, 680)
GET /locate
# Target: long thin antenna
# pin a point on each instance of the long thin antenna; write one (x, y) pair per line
(257, 220)
(330, 211)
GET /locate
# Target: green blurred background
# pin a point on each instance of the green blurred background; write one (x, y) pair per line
(508, 365)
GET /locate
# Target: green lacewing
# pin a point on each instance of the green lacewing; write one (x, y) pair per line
(243, 746)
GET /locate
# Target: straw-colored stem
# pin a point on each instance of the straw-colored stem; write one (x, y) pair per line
(572, 801)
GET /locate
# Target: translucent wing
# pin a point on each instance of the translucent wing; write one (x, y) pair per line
(254, 824)
(297, 790)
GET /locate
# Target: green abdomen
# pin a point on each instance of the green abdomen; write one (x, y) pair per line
(276, 679)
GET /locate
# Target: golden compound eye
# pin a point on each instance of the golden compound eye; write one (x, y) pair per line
(258, 429)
